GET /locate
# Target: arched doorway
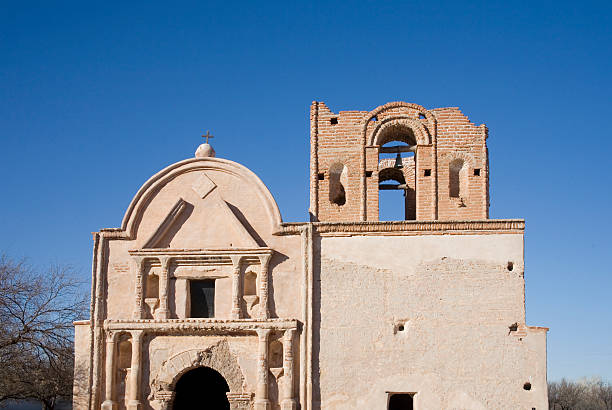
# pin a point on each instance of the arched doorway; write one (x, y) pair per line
(201, 388)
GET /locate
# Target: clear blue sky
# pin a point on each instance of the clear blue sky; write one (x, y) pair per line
(97, 97)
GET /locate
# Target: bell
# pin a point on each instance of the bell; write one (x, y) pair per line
(398, 162)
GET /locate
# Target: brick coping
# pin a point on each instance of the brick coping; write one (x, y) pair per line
(407, 227)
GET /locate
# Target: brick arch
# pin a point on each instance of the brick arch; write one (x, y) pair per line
(429, 117)
(448, 157)
(418, 129)
(218, 357)
(400, 104)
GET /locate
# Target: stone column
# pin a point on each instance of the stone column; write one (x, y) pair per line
(134, 399)
(163, 312)
(109, 389)
(236, 288)
(263, 286)
(288, 400)
(261, 394)
(138, 267)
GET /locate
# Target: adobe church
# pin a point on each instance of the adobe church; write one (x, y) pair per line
(205, 298)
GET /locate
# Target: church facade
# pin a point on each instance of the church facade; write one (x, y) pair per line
(205, 298)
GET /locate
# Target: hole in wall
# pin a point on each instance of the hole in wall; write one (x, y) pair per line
(374, 118)
(513, 327)
(320, 177)
(421, 116)
(427, 172)
(510, 266)
(400, 328)
(476, 172)
(334, 121)
(527, 386)
(368, 174)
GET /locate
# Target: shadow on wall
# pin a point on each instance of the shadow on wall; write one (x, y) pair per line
(34, 405)
(316, 324)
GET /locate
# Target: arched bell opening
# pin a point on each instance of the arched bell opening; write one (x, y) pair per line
(392, 187)
(202, 387)
(338, 183)
(396, 173)
(457, 179)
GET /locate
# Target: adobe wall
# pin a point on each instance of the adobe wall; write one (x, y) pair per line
(455, 300)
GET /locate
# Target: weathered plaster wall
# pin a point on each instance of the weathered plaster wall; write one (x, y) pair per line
(82, 351)
(455, 299)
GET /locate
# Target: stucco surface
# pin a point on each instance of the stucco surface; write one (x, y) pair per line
(454, 298)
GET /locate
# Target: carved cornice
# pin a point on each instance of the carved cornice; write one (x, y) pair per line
(198, 326)
(200, 252)
(197, 257)
(408, 227)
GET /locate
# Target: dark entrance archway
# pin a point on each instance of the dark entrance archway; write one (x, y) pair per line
(201, 388)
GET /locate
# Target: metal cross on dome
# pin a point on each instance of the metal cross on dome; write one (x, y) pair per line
(207, 136)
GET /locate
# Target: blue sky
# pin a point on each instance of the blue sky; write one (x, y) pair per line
(97, 97)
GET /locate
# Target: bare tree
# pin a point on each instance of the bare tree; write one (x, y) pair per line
(36, 332)
(585, 394)
(603, 392)
(564, 395)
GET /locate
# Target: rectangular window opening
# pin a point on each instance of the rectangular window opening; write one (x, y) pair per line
(476, 172)
(202, 295)
(427, 173)
(368, 174)
(401, 401)
(334, 121)
(320, 177)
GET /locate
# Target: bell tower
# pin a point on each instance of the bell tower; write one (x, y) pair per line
(436, 158)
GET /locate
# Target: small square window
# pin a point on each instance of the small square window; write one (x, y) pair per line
(400, 401)
(427, 172)
(368, 174)
(321, 177)
(334, 121)
(476, 172)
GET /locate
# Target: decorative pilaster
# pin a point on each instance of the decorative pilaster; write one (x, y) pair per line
(288, 401)
(163, 312)
(236, 288)
(263, 286)
(111, 343)
(134, 399)
(138, 267)
(261, 395)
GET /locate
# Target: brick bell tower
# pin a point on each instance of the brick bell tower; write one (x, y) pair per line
(437, 157)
